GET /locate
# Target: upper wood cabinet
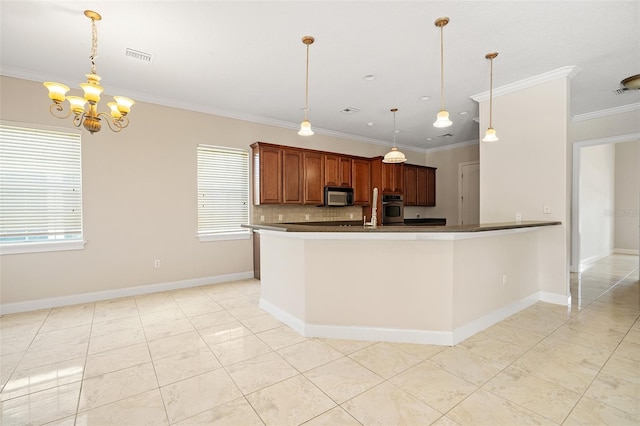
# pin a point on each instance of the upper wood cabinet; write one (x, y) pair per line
(292, 176)
(392, 178)
(361, 178)
(313, 178)
(337, 170)
(267, 171)
(411, 185)
(419, 185)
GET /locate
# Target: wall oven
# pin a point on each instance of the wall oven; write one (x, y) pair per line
(392, 209)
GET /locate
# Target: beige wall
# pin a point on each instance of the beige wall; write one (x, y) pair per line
(597, 190)
(627, 196)
(139, 199)
(528, 168)
(447, 180)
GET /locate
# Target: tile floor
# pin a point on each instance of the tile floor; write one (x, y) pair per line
(209, 355)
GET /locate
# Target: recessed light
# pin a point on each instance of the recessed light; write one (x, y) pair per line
(463, 113)
(370, 124)
(425, 98)
(370, 77)
(429, 139)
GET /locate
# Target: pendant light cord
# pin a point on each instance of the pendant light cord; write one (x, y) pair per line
(306, 93)
(491, 95)
(441, 67)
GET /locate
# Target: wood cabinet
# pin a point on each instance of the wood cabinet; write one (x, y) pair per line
(292, 176)
(313, 177)
(361, 179)
(419, 185)
(337, 170)
(267, 170)
(431, 186)
(411, 185)
(392, 178)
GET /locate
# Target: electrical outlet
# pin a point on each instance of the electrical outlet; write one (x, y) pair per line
(518, 217)
(261, 218)
(306, 217)
(279, 217)
(156, 263)
(546, 209)
(350, 215)
(504, 279)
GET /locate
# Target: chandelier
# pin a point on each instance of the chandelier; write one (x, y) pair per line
(394, 156)
(89, 117)
(305, 126)
(442, 119)
(490, 135)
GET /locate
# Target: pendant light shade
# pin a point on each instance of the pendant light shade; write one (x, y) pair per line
(442, 119)
(305, 126)
(490, 135)
(394, 156)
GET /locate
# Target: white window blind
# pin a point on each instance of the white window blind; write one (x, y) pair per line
(223, 190)
(40, 186)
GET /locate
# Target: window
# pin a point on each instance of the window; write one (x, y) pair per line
(223, 193)
(40, 190)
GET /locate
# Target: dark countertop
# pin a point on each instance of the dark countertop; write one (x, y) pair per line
(356, 226)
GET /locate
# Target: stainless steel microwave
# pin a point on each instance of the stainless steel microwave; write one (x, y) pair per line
(338, 196)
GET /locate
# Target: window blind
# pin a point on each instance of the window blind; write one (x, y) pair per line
(223, 189)
(40, 185)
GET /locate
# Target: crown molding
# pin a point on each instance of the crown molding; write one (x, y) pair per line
(569, 71)
(606, 112)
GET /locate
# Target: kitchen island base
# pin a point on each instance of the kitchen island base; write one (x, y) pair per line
(435, 288)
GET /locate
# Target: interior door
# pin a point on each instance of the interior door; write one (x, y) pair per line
(469, 193)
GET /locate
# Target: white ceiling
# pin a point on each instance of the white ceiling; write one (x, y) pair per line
(245, 59)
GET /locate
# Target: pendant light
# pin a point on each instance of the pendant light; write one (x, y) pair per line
(394, 156)
(305, 126)
(442, 119)
(490, 135)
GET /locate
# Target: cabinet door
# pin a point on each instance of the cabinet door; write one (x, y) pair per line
(392, 177)
(421, 190)
(345, 171)
(313, 178)
(361, 177)
(267, 175)
(431, 186)
(331, 170)
(291, 176)
(410, 189)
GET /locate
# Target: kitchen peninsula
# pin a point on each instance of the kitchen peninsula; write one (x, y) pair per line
(417, 284)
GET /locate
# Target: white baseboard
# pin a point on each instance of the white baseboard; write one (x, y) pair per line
(626, 251)
(585, 263)
(442, 338)
(74, 299)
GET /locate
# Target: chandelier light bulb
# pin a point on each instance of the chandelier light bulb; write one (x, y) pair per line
(394, 156)
(490, 135)
(442, 119)
(305, 128)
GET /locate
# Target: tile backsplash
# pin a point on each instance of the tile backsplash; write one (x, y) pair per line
(281, 213)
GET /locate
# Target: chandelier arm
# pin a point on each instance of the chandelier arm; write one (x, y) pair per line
(78, 119)
(114, 124)
(306, 93)
(57, 110)
(491, 96)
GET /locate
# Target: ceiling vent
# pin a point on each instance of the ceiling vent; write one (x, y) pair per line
(350, 110)
(446, 135)
(138, 55)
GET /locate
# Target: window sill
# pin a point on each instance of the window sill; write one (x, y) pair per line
(225, 236)
(41, 247)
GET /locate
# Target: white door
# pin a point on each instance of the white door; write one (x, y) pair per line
(469, 193)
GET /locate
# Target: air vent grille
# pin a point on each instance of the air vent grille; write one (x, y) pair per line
(349, 110)
(139, 56)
